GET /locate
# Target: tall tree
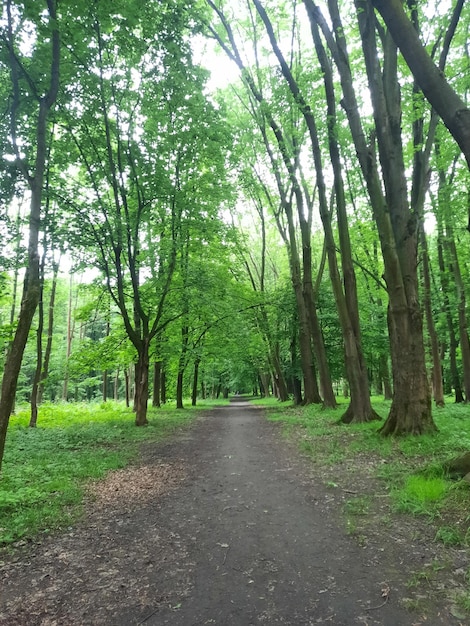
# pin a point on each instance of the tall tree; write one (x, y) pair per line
(143, 138)
(360, 409)
(27, 87)
(397, 225)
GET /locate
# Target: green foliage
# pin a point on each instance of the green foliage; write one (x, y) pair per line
(45, 469)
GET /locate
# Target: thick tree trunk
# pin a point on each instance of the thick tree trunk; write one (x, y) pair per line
(411, 406)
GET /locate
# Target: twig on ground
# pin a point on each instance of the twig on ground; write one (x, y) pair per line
(385, 594)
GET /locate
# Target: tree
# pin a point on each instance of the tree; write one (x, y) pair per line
(43, 92)
(360, 409)
(150, 155)
(396, 223)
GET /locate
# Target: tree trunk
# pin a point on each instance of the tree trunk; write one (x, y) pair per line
(195, 381)
(50, 329)
(179, 390)
(360, 409)
(446, 308)
(411, 405)
(104, 386)
(264, 380)
(69, 341)
(447, 243)
(163, 386)
(37, 374)
(385, 377)
(437, 383)
(127, 385)
(157, 371)
(142, 385)
(279, 375)
(116, 385)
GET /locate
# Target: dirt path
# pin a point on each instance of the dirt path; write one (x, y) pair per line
(228, 528)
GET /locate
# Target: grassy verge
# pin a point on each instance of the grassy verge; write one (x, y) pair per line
(381, 482)
(409, 466)
(45, 469)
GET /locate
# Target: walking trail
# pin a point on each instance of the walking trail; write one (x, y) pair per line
(222, 525)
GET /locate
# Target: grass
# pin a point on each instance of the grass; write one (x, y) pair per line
(409, 467)
(45, 469)
(419, 494)
(391, 478)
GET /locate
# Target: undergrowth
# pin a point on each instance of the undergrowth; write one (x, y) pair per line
(45, 468)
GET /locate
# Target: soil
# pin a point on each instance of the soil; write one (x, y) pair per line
(227, 524)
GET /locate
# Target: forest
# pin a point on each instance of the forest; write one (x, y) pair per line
(206, 198)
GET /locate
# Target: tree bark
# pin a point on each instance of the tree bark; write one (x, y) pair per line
(163, 387)
(69, 341)
(37, 374)
(437, 383)
(116, 385)
(50, 330)
(446, 306)
(127, 387)
(197, 362)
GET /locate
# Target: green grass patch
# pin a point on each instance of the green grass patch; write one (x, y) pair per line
(46, 468)
(419, 495)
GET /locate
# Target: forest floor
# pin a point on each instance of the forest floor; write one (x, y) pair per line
(227, 524)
